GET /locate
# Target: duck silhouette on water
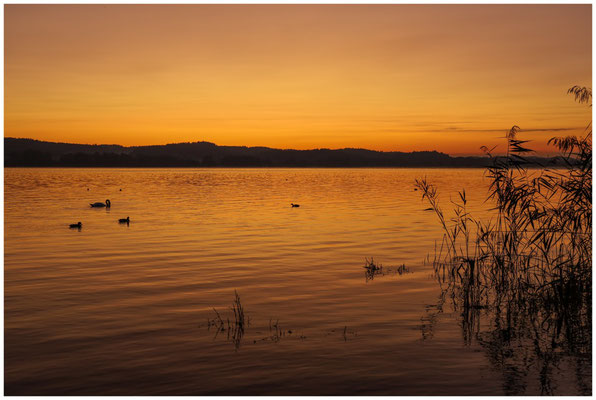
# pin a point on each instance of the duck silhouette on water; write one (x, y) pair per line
(107, 204)
(295, 205)
(124, 220)
(78, 225)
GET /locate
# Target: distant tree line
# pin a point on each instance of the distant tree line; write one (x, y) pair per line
(34, 153)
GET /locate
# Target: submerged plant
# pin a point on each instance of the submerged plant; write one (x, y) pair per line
(235, 329)
(529, 267)
(372, 269)
(239, 320)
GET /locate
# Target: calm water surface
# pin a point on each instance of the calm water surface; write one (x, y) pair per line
(117, 309)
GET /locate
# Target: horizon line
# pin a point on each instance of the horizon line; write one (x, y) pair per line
(479, 154)
(225, 145)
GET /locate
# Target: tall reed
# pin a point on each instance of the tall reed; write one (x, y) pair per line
(528, 268)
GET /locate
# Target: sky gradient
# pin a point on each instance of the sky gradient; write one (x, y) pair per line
(386, 77)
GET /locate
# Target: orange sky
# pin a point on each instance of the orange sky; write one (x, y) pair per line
(387, 77)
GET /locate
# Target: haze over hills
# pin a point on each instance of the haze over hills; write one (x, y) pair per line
(35, 153)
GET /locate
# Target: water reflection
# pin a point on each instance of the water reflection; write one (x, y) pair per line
(528, 335)
(122, 318)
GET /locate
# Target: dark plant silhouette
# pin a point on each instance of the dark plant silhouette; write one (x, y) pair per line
(527, 271)
(235, 329)
(373, 269)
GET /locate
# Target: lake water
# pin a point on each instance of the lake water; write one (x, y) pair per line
(116, 309)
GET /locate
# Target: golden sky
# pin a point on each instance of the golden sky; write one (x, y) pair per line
(387, 77)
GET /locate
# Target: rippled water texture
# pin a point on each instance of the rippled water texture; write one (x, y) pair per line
(129, 309)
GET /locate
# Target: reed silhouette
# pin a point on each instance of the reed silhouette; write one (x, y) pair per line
(521, 281)
(373, 269)
(235, 329)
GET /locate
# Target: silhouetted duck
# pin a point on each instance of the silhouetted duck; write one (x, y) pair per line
(98, 204)
(295, 205)
(124, 220)
(77, 225)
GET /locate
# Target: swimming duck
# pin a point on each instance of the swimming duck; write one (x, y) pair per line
(77, 225)
(98, 204)
(295, 205)
(124, 220)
